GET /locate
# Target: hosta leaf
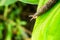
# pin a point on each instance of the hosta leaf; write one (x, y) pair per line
(47, 26)
(7, 2)
(30, 1)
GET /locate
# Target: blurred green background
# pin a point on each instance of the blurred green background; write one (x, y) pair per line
(14, 21)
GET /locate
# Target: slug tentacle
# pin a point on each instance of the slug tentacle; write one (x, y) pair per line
(33, 17)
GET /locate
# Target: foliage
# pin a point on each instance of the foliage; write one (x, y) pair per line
(8, 2)
(35, 2)
(47, 26)
(10, 21)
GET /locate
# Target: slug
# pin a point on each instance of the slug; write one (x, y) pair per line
(43, 9)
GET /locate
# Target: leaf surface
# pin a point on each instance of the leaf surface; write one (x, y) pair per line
(47, 26)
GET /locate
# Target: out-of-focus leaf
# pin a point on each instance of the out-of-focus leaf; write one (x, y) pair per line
(47, 26)
(1, 26)
(23, 23)
(5, 11)
(30, 1)
(9, 31)
(7, 2)
(17, 11)
(20, 29)
(1, 36)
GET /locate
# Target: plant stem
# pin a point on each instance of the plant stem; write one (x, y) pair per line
(5, 12)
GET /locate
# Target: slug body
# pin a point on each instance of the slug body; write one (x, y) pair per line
(44, 8)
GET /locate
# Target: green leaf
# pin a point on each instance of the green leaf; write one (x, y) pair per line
(7, 2)
(47, 26)
(23, 23)
(1, 27)
(30, 1)
(17, 11)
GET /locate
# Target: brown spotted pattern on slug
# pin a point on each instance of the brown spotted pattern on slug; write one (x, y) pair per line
(44, 8)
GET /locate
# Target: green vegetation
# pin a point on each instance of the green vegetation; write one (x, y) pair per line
(47, 25)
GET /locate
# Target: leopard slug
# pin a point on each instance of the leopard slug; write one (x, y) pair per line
(44, 8)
